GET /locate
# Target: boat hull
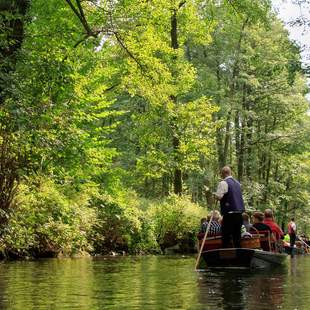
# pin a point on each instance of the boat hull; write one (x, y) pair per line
(242, 258)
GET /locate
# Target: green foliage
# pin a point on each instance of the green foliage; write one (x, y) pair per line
(118, 223)
(120, 100)
(176, 220)
(49, 220)
(46, 222)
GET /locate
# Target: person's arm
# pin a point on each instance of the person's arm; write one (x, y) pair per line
(273, 237)
(280, 232)
(222, 189)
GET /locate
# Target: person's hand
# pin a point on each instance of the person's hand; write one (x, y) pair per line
(206, 188)
(215, 196)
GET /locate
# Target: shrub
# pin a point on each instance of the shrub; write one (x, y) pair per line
(121, 225)
(176, 220)
(45, 222)
(49, 219)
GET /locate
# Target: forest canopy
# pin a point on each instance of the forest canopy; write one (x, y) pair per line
(116, 115)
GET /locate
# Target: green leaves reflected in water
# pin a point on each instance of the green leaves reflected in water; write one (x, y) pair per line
(149, 283)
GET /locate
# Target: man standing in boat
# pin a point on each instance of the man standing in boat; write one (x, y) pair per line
(230, 196)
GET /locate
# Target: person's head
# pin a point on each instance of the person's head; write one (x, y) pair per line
(293, 219)
(268, 214)
(203, 220)
(225, 172)
(216, 216)
(258, 217)
(245, 217)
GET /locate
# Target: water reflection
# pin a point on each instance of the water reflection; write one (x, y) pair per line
(150, 283)
(236, 289)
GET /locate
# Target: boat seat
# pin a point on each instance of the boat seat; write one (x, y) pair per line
(202, 234)
(252, 242)
(266, 242)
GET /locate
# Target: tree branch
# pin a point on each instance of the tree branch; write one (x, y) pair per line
(86, 26)
(81, 16)
(130, 54)
(273, 139)
(182, 3)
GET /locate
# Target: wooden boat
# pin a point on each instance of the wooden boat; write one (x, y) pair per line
(299, 248)
(242, 258)
(255, 252)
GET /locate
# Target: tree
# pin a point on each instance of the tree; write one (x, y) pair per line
(12, 19)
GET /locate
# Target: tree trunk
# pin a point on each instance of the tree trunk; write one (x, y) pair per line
(12, 15)
(249, 155)
(165, 185)
(233, 88)
(249, 134)
(177, 177)
(227, 139)
(242, 138)
(215, 117)
(241, 152)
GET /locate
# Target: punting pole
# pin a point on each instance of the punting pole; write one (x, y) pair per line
(205, 237)
(303, 242)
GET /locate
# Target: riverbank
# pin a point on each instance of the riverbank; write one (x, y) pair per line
(176, 249)
(49, 220)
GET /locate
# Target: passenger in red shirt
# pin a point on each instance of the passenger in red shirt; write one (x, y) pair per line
(269, 220)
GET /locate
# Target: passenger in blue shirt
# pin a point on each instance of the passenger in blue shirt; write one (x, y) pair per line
(215, 225)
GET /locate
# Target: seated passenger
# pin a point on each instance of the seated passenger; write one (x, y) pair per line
(202, 224)
(286, 238)
(258, 225)
(246, 221)
(267, 242)
(215, 226)
(269, 220)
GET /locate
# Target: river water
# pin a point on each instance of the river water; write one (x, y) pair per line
(157, 282)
